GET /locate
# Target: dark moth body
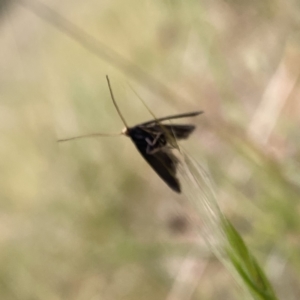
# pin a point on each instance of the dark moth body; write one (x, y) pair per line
(155, 141)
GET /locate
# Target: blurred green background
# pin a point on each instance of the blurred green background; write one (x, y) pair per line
(89, 219)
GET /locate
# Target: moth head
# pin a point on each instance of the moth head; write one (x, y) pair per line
(125, 131)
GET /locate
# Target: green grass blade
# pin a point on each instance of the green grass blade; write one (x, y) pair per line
(224, 240)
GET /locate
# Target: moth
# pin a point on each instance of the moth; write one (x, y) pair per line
(155, 142)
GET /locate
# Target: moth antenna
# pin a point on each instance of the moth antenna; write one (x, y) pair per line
(144, 103)
(89, 135)
(115, 103)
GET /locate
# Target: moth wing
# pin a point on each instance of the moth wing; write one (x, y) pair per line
(164, 163)
(179, 131)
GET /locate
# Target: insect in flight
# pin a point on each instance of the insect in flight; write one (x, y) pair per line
(154, 141)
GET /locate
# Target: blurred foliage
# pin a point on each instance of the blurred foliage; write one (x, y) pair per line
(89, 219)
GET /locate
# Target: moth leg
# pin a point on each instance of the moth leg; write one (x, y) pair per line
(152, 151)
(151, 144)
(158, 135)
(159, 148)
